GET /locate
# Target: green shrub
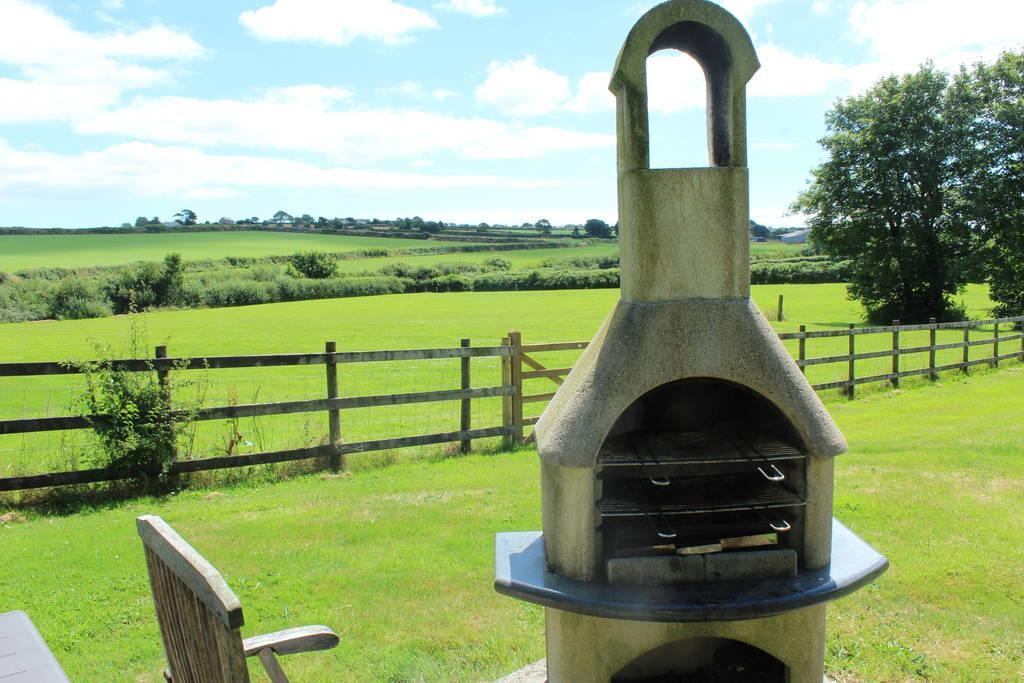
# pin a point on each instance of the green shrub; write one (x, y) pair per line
(22, 300)
(74, 299)
(424, 273)
(132, 417)
(443, 283)
(458, 268)
(799, 272)
(264, 273)
(397, 269)
(581, 262)
(498, 263)
(238, 292)
(246, 292)
(316, 265)
(147, 285)
(547, 279)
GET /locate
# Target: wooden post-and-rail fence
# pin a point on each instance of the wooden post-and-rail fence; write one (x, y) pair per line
(519, 365)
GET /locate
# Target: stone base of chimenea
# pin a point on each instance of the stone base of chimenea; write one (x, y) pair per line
(598, 633)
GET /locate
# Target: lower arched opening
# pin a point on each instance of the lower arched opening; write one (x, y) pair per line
(704, 660)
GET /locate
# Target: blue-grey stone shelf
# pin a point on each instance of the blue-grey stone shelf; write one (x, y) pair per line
(520, 571)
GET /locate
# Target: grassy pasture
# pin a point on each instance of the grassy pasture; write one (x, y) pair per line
(401, 321)
(19, 252)
(399, 561)
(526, 259)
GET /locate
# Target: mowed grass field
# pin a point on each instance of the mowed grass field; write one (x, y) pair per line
(20, 252)
(399, 561)
(401, 321)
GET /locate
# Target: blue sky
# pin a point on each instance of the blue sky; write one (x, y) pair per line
(458, 110)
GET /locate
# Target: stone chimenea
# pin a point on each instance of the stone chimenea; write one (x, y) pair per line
(687, 465)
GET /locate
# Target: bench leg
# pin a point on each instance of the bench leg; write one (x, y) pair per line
(272, 666)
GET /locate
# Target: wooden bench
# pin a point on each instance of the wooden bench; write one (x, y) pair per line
(201, 618)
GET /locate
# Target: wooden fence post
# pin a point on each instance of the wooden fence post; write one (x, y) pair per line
(163, 377)
(851, 390)
(995, 345)
(779, 316)
(967, 347)
(333, 414)
(517, 381)
(895, 381)
(506, 400)
(803, 348)
(933, 332)
(466, 422)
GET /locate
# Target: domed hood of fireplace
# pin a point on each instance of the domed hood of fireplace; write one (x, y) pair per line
(641, 347)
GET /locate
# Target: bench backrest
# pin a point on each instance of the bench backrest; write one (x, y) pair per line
(200, 617)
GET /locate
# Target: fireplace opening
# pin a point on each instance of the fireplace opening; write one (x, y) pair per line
(701, 480)
(704, 660)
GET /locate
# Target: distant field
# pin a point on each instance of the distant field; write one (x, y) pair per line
(19, 252)
(400, 321)
(531, 258)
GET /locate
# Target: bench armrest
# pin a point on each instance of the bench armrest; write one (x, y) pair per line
(292, 640)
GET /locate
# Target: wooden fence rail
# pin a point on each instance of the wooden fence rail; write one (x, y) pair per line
(519, 364)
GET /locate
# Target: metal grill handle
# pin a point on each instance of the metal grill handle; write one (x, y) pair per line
(776, 473)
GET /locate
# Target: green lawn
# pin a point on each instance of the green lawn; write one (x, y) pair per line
(19, 252)
(399, 560)
(401, 321)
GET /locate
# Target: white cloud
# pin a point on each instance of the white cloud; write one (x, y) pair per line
(786, 74)
(474, 8)
(442, 94)
(67, 74)
(592, 94)
(311, 95)
(902, 34)
(336, 22)
(821, 7)
(415, 90)
(676, 83)
(282, 121)
(31, 36)
(523, 88)
(407, 89)
(147, 170)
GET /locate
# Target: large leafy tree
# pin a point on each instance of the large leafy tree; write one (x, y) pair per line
(595, 227)
(889, 199)
(994, 171)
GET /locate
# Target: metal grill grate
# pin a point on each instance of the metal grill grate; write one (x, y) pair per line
(680, 448)
(698, 496)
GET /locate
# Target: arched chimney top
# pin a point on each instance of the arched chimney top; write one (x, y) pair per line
(708, 33)
(722, 47)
